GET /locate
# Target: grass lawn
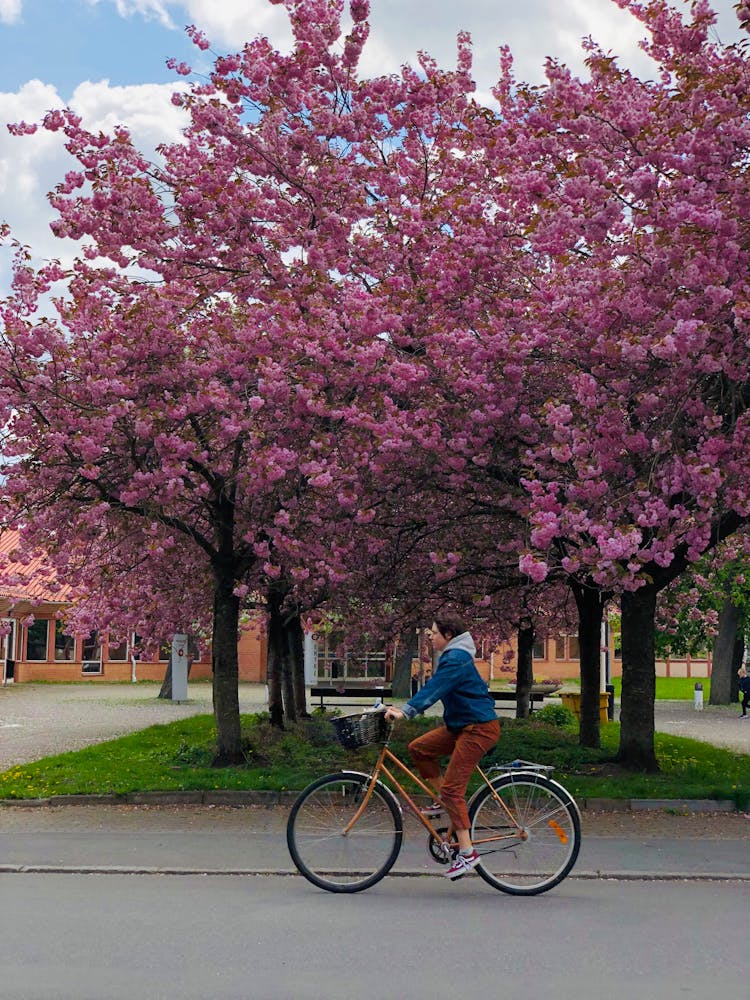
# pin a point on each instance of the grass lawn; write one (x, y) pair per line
(177, 756)
(673, 688)
(667, 688)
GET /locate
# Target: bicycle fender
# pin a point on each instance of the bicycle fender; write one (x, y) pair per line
(531, 774)
(558, 787)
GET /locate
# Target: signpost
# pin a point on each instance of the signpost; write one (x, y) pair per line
(179, 667)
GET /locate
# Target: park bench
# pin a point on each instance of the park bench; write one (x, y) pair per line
(535, 697)
(331, 692)
(335, 692)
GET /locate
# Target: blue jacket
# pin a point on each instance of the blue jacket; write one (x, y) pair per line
(459, 685)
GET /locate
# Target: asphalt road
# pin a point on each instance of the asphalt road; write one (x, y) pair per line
(114, 937)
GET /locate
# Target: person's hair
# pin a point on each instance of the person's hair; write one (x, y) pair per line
(450, 623)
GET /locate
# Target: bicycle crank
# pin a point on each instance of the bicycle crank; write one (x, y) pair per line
(441, 850)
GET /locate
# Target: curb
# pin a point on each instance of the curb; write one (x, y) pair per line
(583, 876)
(222, 797)
(271, 799)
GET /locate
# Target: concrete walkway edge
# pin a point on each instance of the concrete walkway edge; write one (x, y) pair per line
(270, 799)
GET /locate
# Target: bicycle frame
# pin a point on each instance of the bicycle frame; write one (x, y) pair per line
(381, 768)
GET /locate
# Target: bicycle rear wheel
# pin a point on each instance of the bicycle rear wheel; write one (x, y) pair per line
(542, 853)
(324, 852)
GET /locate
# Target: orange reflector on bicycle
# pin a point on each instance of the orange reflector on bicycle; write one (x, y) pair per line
(559, 831)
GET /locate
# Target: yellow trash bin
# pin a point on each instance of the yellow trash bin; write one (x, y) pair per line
(572, 700)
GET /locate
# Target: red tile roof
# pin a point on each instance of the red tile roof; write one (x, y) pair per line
(33, 581)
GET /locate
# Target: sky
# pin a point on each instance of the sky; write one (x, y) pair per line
(107, 60)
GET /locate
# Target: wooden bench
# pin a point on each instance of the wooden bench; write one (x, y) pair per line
(334, 692)
(535, 697)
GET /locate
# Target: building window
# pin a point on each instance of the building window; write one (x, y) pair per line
(117, 650)
(540, 649)
(91, 654)
(65, 645)
(567, 647)
(36, 640)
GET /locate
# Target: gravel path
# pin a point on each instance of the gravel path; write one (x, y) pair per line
(38, 720)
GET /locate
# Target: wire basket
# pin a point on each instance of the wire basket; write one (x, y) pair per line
(354, 731)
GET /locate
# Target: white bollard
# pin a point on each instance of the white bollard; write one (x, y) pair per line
(698, 697)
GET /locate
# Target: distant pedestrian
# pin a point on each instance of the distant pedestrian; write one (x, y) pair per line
(744, 690)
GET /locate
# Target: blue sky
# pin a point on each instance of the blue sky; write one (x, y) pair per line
(66, 41)
(107, 60)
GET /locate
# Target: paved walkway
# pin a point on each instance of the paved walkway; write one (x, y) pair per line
(37, 720)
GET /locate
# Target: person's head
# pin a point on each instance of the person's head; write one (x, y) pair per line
(742, 672)
(445, 628)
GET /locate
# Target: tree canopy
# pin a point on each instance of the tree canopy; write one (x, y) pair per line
(358, 339)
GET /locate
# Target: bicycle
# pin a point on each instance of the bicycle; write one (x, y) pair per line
(345, 830)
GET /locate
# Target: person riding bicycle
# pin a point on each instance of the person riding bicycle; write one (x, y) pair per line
(470, 728)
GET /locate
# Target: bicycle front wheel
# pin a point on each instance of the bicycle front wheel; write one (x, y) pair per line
(529, 839)
(328, 852)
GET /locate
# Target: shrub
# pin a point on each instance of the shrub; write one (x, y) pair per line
(555, 715)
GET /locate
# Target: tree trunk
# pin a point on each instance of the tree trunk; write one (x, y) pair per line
(275, 663)
(637, 729)
(725, 663)
(406, 650)
(296, 641)
(166, 685)
(590, 603)
(225, 664)
(286, 662)
(288, 690)
(524, 670)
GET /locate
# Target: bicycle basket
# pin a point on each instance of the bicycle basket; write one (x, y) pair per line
(355, 731)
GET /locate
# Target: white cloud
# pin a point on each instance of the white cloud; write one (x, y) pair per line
(231, 23)
(146, 109)
(534, 30)
(10, 11)
(151, 10)
(32, 165)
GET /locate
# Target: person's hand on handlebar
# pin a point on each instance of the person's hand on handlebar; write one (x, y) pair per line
(392, 713)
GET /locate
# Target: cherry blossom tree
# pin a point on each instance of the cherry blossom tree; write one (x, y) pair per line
(347, 321)
(646, 463)
(707, 607)
(201, 359)
(217, 370)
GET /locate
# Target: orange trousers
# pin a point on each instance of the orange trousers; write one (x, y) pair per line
(466, 749)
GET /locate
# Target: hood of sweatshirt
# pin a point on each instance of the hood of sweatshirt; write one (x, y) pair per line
(463, 642)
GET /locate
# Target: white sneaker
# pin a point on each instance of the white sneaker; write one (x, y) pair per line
(463, 865)
(433, 809)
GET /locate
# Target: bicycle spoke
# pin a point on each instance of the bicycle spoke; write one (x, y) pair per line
(546, 845)
(332, 856)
